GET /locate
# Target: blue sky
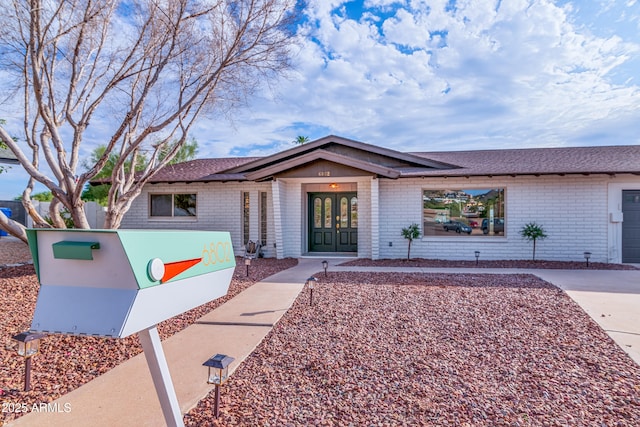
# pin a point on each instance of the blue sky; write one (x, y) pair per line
(442, 75)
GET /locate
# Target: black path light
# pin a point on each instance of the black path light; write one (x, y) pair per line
(218, 375)
(477, 256)
(325, 265)
(587, 255)
(247, 262)
(311, 283)
(28, 345)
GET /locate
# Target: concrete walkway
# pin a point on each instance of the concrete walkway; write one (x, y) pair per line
(125, 396)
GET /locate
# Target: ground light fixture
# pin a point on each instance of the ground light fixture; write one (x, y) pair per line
(218, 374)
(311, 283)
(587, 255)
(28, 345)
(477, 253)
(247, 263)
(325, 265)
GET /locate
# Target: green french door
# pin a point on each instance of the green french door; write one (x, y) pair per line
(333, 222)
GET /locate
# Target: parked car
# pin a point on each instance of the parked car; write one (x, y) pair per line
(498, 225)
(457, 226)
(473, 224)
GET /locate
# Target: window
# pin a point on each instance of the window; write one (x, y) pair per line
(246, 200)
(173, 205)
(472, 212)
(263, 217)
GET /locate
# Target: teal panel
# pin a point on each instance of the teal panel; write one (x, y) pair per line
(32, 238)
(213, 248)
(74, 250)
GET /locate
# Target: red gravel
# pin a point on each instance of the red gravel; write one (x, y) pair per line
(431, 349)
(72, 361)
(519, 263)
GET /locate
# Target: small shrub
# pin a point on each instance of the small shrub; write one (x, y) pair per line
(533, 232)
(410, 233)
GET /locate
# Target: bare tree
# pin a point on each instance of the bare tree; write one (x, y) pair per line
(146, 69)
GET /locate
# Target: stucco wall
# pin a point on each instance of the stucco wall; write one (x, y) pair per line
(572, 209)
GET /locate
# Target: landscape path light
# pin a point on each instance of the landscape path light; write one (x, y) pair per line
(587, 255)
(218, 374)
(477, 257)
(28, 345)
(325, 265)
(311, 283)
(247, 262)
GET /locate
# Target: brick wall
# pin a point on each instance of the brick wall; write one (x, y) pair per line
(572, 209)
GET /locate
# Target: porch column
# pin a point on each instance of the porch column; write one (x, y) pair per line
(277, 217)
(375, 219)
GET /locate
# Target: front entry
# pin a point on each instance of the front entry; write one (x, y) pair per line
(333, 222)
(631, 226)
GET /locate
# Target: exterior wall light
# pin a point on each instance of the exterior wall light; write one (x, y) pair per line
(28, 345)
(325, 265)
(477, 257)
(587, 255)
(311, 283)
(218, 374)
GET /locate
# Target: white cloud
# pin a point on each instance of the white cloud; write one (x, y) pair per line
(419, 77)
(436, 75)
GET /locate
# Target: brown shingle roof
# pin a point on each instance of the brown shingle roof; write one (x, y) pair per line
(202, 170)
(527, 161)
(536, 161)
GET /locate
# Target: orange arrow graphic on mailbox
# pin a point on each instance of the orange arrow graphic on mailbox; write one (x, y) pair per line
(172, 269)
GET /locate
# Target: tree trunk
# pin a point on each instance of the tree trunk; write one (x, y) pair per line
(13, 227)
(534, 250)
(80, 216)
(409, 251)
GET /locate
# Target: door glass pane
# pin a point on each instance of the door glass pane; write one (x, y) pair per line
(354, 212)
(317, 212)
(327, 213)
(344, 212)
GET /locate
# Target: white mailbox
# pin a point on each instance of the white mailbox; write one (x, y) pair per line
(113, 283)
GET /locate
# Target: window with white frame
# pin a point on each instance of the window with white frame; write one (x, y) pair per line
(263, 217)
(172, 205)
(463, 212)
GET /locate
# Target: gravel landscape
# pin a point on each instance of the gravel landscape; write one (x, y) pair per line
(509, 263)
(435, 350)
(374, 349)
(67, 362)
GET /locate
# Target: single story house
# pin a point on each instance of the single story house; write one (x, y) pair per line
(337, 196)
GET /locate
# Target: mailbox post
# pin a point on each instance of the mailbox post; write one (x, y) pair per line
(114, 283)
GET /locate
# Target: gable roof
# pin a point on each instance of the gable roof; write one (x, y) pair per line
(392, 164)
(370, 158)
